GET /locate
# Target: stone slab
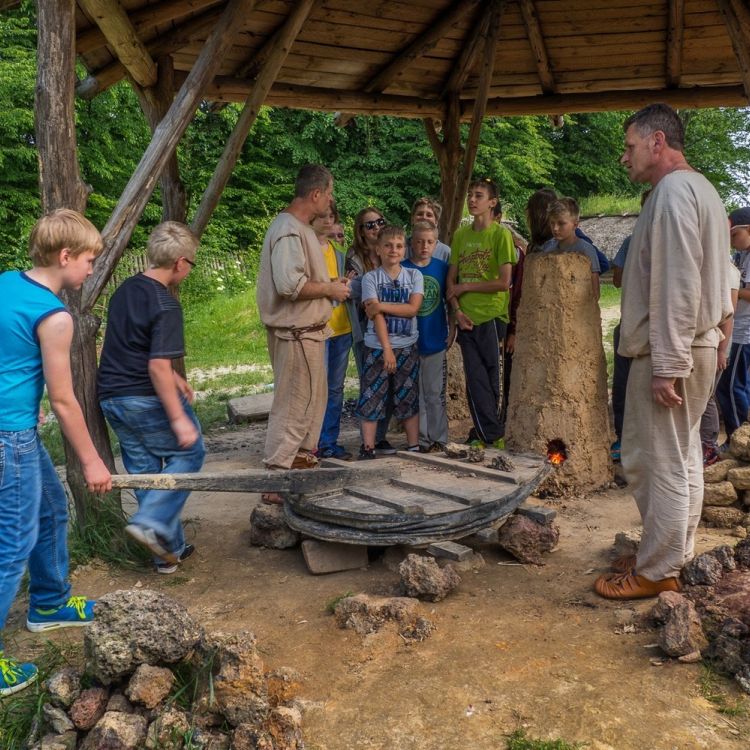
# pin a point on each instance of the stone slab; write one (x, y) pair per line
(539, 513)
(450, 550)
(249, 408)
(331, 557)
(485, 536)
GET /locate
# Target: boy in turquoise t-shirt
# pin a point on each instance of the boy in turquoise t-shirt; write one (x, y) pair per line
(482, 257)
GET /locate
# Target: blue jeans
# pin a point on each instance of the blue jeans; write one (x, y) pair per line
(337, 359)
(733, 389)
(149, 446)
(33, 523)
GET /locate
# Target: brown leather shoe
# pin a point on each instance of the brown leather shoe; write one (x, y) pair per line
(304, 460)
(624, 564)
(632, 586)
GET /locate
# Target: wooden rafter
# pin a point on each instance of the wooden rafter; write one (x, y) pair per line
(143, 20)
(675, 35)
(467, 60)
(538, 46)
(284, 39)
(114, 23)
(166, 44)
(737, 19)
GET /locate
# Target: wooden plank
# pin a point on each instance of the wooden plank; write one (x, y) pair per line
(460, 466)
(388, 496)
(737, 19)
(538, 45)
(441, 485)
(675, 33)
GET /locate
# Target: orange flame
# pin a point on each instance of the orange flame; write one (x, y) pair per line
(556, 457)
(556, 452)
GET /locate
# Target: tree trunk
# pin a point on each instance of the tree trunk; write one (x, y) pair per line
(61, 186)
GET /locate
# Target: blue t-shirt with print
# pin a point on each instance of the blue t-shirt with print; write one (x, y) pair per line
(379, 285)
(432, 321)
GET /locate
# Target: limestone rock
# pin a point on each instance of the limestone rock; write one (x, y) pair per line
(56, 719)
(744, 496)
(475, 454)
(725, 653)
(285, 727)
(739, 443)
(367, 614)
(528, 540)
(718, 472)
(456, 450)
(250, 737)
(137, 627)
(719, 493)
(725, 555)
(118, 702)
(167, 730)
(203, 739)
(149, 685)
(64, 686)
(268, 528)
(89, 707)
(627, 542)
(65, 741)
(422, 577)
(239, 680)
(702, 570)
(681, 632)
(740, 477)
(723, 518)
(283, 685)
(742, 554)
(117, 731)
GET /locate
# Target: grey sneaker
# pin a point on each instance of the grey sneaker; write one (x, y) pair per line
(152, 541)
(166, 568)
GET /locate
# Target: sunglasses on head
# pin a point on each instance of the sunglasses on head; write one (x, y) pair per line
(374, 223)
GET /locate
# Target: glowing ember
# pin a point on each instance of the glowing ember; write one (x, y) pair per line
(556, 453)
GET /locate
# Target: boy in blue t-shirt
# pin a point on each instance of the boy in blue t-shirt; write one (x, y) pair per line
(36, 331)
(434, 338)
(392, 296)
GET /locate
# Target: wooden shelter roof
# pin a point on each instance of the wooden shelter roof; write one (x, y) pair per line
(402, 57)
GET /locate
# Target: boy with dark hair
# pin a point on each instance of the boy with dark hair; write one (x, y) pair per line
(482, 257)
(392, 295)
(36, 331)
(145, 401)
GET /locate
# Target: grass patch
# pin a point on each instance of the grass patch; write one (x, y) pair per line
(715, 694)
(609, 296)
(519, 740)
(612, 205)
(331, 605)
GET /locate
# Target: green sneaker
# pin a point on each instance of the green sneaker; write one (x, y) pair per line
(75, 613)
(499, 444)
(476, 444)
(14, 675)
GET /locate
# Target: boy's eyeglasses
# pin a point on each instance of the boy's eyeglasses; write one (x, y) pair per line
(374, 223)
(187, 260)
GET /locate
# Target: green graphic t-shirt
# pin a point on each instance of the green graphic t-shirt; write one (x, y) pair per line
(479, 256)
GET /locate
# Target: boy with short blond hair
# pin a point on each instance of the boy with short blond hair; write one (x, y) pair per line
(36, 331)
(434, 338)
(563, 215)
(392, 295)
(145, 401)
(429, 210)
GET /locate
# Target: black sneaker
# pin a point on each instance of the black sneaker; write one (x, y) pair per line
(384, 448)
(365, 454)
(166, 568)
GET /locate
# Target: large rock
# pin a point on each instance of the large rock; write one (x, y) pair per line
(718, 472)
(742, 554)
(528, 540)
(149, 685)
(740, 477)
(116, 731)
(285, 727)
(250, 737)
(239, 681)
(681, 632)
(283, 685)
(56, 719)
(739, 443)
(723, 518)
(367, 614)
(89, 707)
(268, 528)
(719, 493)
(64, 686)
(627, 542)
(423, 578)
(703, 570)
(137, 627)
(167, 731)
(65, 741)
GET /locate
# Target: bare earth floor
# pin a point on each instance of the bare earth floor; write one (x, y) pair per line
(515, 646)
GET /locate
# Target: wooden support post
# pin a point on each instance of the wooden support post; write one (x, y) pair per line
(284, 39)
(168, 133)
(736, 16)
(62, 187)
(675, 34)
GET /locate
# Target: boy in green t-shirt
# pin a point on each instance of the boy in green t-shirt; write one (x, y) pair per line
(482, 256)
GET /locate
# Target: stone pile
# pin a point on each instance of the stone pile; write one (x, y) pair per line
(154, 679)
(726, 495)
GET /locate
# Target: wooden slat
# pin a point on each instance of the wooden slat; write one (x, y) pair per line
(442, 485)
(737, 19)
(675, 34)
(538, 45)
(462, 467)
(390, 497)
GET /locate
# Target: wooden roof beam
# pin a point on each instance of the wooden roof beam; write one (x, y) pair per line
(114, 23)
(538, 46)
(675, 34)
(737, 19)
(467, 60)
(419, 47)
(144, 19)
(166, 44)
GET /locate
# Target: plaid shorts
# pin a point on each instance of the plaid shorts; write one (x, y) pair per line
(401, 387)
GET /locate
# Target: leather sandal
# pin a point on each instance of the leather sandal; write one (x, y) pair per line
(623, 564)
(632, 586)
(304, 460)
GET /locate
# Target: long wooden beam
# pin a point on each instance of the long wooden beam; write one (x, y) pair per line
(675, 35)
(165, 44)
(141, 185)
(737, 19)
(538, 46)
(467, 59)
(283, 41)
(114, 23)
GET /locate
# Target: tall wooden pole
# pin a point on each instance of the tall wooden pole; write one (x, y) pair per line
(61, 186)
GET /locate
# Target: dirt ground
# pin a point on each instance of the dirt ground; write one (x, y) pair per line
(515, 646)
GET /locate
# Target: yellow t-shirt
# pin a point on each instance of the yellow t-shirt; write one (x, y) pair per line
(339, 321)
